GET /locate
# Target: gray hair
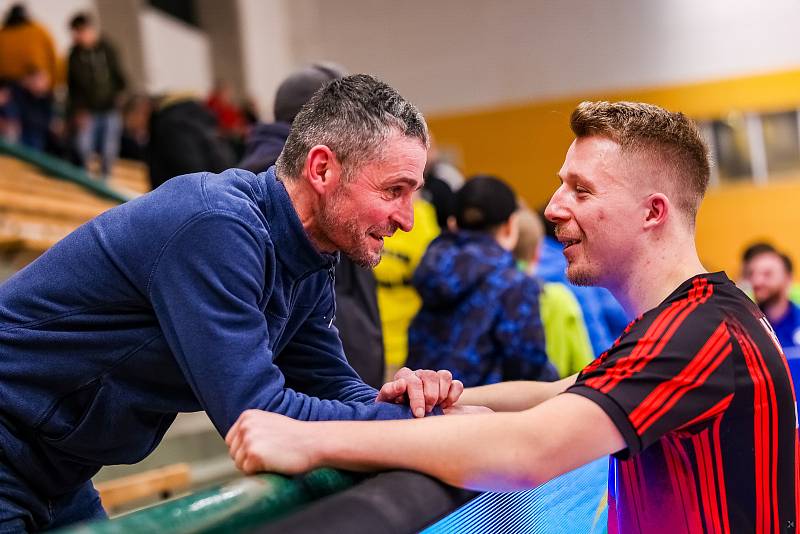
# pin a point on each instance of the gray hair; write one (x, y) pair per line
(353, 116)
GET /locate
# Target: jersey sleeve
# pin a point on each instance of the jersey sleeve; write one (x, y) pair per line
(671, 370)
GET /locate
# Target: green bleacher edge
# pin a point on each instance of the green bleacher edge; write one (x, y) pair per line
(238, 506)
(62, 170)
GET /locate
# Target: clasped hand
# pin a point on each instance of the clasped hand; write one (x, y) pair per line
(422, 390)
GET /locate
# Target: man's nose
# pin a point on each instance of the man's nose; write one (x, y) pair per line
(555, 211)
(404, 216)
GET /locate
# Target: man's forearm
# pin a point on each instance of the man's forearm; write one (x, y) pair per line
(499, 451)
(514, 396)
(452, 449)
(494, 452)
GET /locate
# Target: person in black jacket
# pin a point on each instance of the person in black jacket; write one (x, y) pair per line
(357, 318)
(185, 138)
(95, 82)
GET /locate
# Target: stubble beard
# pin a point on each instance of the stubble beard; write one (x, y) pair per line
(336, 226)
(581, 277)
(770, 300)
(583, 274)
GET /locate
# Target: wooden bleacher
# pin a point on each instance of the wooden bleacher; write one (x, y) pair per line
(162, 482)
(37, 210)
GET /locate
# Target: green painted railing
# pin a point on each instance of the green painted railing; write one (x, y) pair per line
(238, 506)
(58, 168)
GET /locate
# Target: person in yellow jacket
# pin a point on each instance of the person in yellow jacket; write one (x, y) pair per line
(398, 301)
(567, 342)
(26, 47)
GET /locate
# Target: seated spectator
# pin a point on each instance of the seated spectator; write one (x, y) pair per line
(769, 273)
(135, 128)
(603, 315)
(398, 301)
(9, 117)
(33, 102)
(184, 138)
(566, 340)
(230, 118)
(480, 314)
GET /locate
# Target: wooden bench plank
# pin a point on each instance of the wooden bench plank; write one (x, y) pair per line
(152, 483)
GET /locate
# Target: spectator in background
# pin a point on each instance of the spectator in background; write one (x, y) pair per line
(135, 128)
(9, 118)
(230, 118)
(357, 319)
(96, 84)
(266, 140)
(604, 317)
(769, 274)
(567, 342)
(184, 138)
(442, 180)
(33, 101)
(28, 63)
(26, 46)
(480, 314)
(753, 250)
(250, 114)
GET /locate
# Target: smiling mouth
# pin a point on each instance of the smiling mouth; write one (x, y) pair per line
(566, 243)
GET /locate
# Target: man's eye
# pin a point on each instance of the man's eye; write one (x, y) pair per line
(395, 192)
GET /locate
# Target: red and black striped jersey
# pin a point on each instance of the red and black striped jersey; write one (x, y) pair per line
(701, 392)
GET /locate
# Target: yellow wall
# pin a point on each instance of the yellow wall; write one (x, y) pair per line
(525, 144)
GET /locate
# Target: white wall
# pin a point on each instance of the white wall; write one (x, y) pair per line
(267, 56)
(176, 55)
(454, 54)
(54, 15)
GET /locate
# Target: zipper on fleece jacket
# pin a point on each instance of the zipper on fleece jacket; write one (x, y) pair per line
(332, 278)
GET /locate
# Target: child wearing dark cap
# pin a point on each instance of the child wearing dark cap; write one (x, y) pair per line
(480, 314)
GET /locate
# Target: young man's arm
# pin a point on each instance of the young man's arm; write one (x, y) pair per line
(503, 451)
(514, 396)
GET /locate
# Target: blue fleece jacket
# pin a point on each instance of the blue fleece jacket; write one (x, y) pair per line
(205, 294)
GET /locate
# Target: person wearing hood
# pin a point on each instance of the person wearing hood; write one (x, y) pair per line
(266, 140)
(480, 314)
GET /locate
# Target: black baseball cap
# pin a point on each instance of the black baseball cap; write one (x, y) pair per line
(484, 202)
(298, 88)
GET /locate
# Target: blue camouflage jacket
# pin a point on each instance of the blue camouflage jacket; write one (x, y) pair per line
(480, 314)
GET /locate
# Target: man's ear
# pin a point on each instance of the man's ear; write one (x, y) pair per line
(657, 208)
(323, 170)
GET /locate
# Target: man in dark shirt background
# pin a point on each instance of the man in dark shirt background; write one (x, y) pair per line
(95, 82)
(769, 274)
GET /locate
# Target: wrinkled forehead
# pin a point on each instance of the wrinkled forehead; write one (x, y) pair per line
(400, 158)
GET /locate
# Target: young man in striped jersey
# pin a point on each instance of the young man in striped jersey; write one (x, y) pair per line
(693, 402)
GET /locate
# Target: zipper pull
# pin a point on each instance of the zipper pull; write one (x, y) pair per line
(332, 276)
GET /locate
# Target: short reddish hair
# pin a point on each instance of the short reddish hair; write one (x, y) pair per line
(672, 138)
